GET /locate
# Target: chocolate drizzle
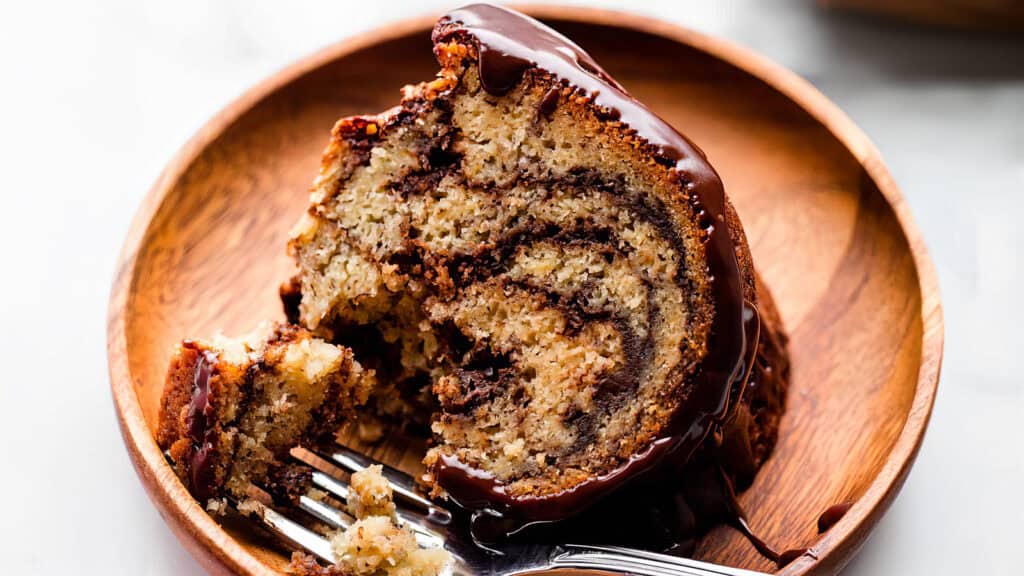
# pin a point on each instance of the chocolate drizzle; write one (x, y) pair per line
(738, 519)
(831, 515)
(201, 432)
(508, 45)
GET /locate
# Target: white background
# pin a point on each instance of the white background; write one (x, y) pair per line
(95, 97)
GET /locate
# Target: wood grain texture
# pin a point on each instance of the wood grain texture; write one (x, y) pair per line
(829, 231)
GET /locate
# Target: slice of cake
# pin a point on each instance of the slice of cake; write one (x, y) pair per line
(559, 264)
(233, 408)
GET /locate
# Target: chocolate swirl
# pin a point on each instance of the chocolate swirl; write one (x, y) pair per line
(509, 44)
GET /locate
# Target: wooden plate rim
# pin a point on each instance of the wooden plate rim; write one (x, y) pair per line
(219, 552)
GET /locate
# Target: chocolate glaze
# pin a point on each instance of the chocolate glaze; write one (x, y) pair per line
(788, 556)
(198, 421)
(828, 518)
(831, 515)
(740, 523)
(738, 518)
(508, 45)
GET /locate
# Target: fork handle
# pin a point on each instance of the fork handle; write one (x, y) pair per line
(639, 562)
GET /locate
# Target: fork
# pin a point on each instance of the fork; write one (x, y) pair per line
(431, 524)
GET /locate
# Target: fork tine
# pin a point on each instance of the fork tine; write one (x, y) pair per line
(402, 484)
(466, 561)
(299, 537)
(593, 555)
(330, 484)
(419, 523)
(292, 532)
(326, 513)
(426, 536)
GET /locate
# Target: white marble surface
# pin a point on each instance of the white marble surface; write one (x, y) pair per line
(95, 97)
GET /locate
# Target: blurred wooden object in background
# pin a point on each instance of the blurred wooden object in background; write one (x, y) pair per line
(994, 15)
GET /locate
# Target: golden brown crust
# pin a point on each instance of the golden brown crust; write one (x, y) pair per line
(176, 396)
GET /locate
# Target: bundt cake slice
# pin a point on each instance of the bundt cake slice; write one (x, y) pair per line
(559, 263)
(233, 408)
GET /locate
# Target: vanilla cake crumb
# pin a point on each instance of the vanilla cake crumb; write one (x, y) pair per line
(371, 494)
(375, 545)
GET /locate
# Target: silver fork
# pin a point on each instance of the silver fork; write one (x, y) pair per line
(430, 522)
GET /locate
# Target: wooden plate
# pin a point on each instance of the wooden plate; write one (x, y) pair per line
(829, 231)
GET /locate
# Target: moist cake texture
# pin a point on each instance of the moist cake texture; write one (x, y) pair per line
(233, 408)
(370, 494)
(375, 544)
(559, 268)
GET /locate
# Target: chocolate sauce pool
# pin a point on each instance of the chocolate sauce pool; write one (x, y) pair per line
(509, 44)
